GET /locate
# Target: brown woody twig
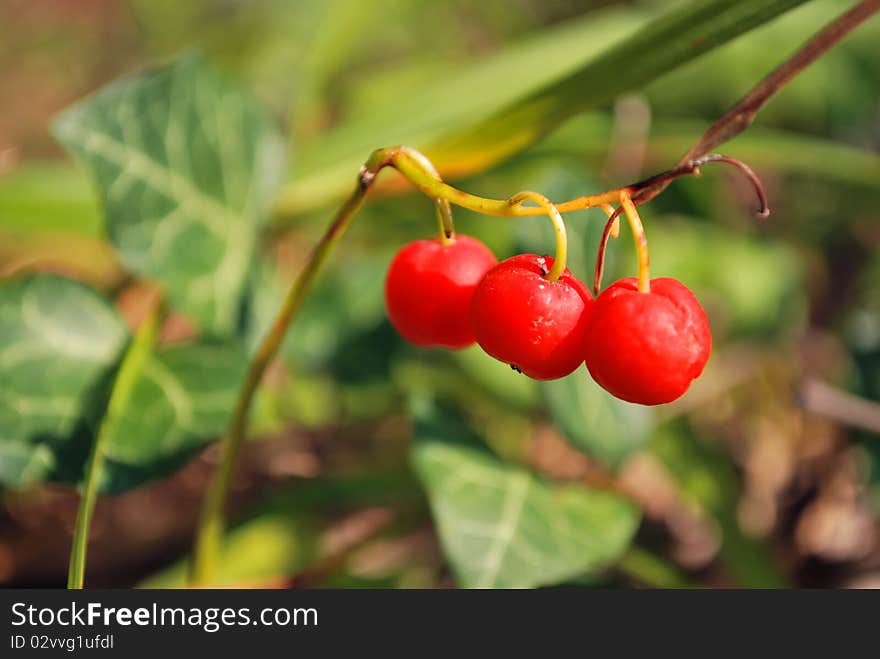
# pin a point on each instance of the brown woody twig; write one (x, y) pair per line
(742, 114)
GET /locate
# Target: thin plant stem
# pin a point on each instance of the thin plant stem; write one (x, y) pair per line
(132, 364)
(444, 209)
(611, 230)
(641, 240)
(413, 170)
(444, 221)
(210, 529)
(615, 226)
(422, 174)
(558, 227)
(742, 113)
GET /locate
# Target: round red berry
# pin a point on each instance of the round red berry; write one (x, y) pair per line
(429, 287)
(647, 347)
(535, 325)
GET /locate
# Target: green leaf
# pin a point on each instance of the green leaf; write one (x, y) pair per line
(447, 99)
(497, 378)
(594, 421)
(503, 105)
(656, 49)
(61, 345)
(763, 148)
(503, 527)
(805, 102)
(58, 342)
(183, 400)
(185, 165)
(48, 196)
(347, 300)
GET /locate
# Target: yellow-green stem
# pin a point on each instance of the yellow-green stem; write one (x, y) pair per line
(422, 174)
(611, 230)
(638, 231)
(132, 363)
(444, 220)
(210, 529)
(558, 227)
(411, 164)
(615, 226)
(425, 167)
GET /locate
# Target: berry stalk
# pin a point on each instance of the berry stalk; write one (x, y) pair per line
(558, 227)
(611, 230)
(638, 231)
(421, 173)
(444, 221)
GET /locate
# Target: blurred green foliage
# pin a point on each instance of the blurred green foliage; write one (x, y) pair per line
(343, 77)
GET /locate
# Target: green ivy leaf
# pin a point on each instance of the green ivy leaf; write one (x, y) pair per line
(183, 400)
(346, 301)
(503, 527)
(186, 165)
(594, 421)
(61, 346)
(59, 340)
(497, 378)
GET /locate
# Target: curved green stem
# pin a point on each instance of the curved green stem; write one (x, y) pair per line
(444, 220)
(210, 529)
(638, 231)
(611, 230)
(558, 226)
(412, 165)
(135, 356)
(421, 173)
(614, 231)
(426, 167)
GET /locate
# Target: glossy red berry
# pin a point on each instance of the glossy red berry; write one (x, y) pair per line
(647, 347)
(535, 325)
(429, 287)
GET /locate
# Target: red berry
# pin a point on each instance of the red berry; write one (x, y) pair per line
(535, 325)
(429, 287)
(647, 347)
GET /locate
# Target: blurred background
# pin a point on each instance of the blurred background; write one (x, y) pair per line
(767, 473)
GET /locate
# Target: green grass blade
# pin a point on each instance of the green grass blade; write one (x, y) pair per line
(658, 48)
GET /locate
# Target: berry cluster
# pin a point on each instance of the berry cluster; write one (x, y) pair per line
(643, 347)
